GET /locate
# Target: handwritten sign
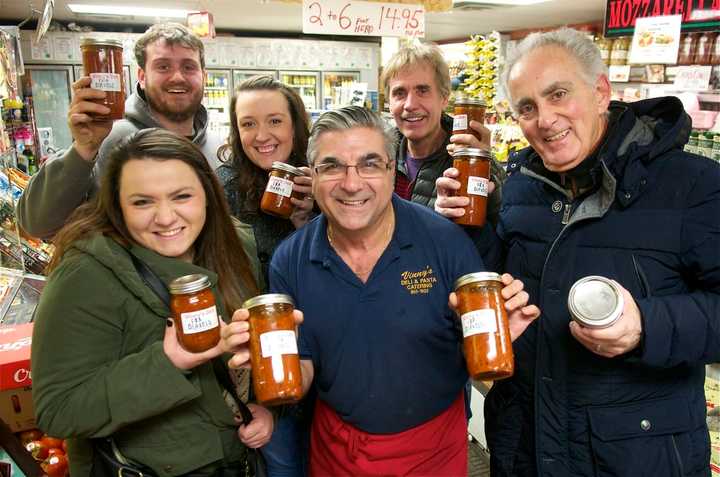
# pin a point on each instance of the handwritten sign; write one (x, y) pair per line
(694, 78)
(656, 40)
(343, 17)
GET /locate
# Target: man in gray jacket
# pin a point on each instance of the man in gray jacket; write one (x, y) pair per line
(168, 94)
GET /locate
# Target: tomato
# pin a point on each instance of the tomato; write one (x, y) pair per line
(38, 450)
(55, 451)
(52, 442)
(55, 466)
(31, 435)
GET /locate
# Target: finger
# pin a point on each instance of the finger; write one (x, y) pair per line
(303, 181)
(88, 107)
(482, 131)
(303, 204)
(452, 301)
(241, 359)
(298, 316)
(518, 301)
(468, 140)
(83, 82)
(306, 171)
(447, 183)
(530, 311)
(451, 173)
(241, 314)
(453, 201)
(451, 213)
(512, 289)
(85, 94)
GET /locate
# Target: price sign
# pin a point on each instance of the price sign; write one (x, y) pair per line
(344, 17)
(694, 78)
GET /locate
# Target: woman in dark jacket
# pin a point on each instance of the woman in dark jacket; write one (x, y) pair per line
(106, 360)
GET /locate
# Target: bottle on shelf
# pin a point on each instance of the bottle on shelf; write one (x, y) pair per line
(686, 52)
(703, 49)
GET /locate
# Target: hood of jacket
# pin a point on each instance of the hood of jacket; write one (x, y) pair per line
(137, 112)
(116, 258)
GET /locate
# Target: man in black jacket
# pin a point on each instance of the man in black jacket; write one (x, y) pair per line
(417, 85)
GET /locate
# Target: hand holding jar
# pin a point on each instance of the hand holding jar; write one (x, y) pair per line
(477, 136)
(183, 359)
(88, 133)
(448, 203)
(302, 198)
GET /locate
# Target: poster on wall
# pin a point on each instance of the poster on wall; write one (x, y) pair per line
(656, 40)
(697, 15)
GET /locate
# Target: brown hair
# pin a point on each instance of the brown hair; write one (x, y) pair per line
(173, 34)
(248, 179)
(104, 215)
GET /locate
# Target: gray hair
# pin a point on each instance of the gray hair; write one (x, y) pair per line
(173, 34)
(417, 55)
(577, 44)
(346, 118)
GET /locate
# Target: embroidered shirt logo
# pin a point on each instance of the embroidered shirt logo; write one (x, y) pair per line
(420, 282)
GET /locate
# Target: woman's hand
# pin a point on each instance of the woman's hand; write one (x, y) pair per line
(235, 336)
(519, 313)
(183, 359)
(302, 213)
(258, 432)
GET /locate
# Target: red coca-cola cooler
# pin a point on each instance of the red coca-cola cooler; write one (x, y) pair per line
(15, 379)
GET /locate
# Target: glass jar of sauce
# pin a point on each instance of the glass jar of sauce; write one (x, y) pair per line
(486, 332)
(605, 46)
(468, 109)
(273, 349)
(279, 190)
(474, 167)
(595, 302)
(194, 312)
(103, 63)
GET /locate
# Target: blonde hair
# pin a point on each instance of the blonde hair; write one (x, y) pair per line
(414, 55)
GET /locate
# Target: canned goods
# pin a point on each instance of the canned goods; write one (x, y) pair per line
(595, 302)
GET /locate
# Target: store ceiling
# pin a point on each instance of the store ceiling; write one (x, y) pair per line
(268, 15)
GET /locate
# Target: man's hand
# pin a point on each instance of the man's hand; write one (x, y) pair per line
(87, 132)
(235, 336)
(471, 140)
(623, 336)
(447, 203)
(258, 432)
(302, 212)
(519, 313)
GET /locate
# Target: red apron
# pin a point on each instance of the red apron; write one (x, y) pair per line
(437, 448)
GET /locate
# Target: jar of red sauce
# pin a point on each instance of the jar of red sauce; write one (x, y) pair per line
(273, 349)
(468, 109)
(279, 190)
(103, 63)
(194, 312)
(486, 331)
(474, 167)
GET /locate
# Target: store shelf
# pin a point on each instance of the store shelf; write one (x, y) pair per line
(216, 88)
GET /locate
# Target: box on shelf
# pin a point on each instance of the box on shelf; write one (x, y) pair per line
(16, 407)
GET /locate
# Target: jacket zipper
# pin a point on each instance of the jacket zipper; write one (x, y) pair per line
(566, 214)
(677, 455)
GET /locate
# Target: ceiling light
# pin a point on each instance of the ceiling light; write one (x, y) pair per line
(126, 10)
(510, 3)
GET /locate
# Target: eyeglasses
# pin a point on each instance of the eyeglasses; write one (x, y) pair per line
(367, 169)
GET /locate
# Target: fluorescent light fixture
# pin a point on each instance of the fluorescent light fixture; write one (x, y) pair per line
(510, 3)
(127, 10)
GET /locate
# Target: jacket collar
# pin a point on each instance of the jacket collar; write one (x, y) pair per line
(446, 123)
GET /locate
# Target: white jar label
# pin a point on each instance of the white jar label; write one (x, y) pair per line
(279, 186)
(478, 321)
(105, 81)
(277, 343)
(199, 321)
(477, 186)
(460, 122)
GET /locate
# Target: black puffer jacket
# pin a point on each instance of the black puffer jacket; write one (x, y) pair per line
(653, 225)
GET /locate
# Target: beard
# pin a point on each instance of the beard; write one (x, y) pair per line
(170, 110)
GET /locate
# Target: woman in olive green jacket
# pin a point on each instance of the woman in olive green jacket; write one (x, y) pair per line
(106, 361)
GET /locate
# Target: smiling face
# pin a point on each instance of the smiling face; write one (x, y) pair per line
(417, 105)
(561, 115)
(353, 206)
(163, 205)
(265, 126)
(173, 80)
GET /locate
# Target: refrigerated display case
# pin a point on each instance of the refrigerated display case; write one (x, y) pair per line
(306, 83)
(216, 100)
(241, 75)
(337, 88)
(50, 87)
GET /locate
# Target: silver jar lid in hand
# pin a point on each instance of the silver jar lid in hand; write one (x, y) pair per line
(595, 302)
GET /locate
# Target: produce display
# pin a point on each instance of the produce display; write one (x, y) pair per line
(50, 452)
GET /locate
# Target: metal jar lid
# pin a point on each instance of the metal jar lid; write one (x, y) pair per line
(471, 151)
(268, 299)
(189, 284)
(477, 277)
(100, 42)
(469, 101)
(287, 168)
(595, 302)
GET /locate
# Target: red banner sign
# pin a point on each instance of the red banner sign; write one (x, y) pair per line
(697, 15)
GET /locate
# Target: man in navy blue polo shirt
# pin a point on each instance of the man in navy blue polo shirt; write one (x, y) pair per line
(373, 276)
